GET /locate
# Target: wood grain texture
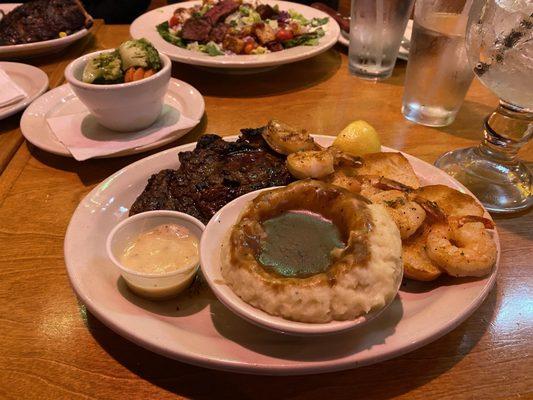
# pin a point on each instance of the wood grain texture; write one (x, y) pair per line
(53, 65)
(51, 347)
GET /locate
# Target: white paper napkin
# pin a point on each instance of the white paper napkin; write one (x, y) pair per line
(85, 138)
(10, 92)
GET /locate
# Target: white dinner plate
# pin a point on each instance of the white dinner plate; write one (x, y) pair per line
(145, 26)
(26, 50)
(403, 53)
(63, 101)
(201, 331)
(33, 80)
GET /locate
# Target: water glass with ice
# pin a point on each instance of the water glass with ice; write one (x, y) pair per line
(376, 31)
(438, 72)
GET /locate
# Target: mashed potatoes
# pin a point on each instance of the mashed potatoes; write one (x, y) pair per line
(364, 276)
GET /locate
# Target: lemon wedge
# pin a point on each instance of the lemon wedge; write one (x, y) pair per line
(358, 138)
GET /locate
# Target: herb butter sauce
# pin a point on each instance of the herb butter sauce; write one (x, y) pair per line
(164, 249)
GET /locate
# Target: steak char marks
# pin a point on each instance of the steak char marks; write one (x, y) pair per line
(213, 174)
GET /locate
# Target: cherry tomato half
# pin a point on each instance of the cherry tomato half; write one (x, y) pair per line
(284, 34)
(174, 21)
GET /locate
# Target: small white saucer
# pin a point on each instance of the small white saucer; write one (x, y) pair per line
(33, 80)
(403, 53)
(62, 101)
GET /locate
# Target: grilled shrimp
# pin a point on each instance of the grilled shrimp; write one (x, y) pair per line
(406, 213)
(285, 139)
(408, 210)
(310, 164)
(318, 163)
(462, 246)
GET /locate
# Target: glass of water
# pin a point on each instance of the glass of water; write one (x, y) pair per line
(438, 72)
(376, 31)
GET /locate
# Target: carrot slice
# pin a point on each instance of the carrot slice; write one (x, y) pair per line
(148, 73)
(128, 76)
(139, 74)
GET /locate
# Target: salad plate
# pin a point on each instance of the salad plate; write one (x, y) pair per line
(198, 329)
(31, 79)
(62, 101)
(27, 50)
(146, 26)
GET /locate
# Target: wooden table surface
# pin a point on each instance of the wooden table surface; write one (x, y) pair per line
(51, 347)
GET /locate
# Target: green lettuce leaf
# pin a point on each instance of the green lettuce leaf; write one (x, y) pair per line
(307, 39)
(212, 49)
(298, 17)
(319, 21)
(164, 31)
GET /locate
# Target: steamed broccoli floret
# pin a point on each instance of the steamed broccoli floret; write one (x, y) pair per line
(104, 68)
(139, 53)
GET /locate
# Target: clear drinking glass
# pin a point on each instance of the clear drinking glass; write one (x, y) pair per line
(500, 49)
(376, 30)
(438, 73)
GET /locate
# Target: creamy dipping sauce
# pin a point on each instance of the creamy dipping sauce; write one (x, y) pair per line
(298, 244)
(164, 249)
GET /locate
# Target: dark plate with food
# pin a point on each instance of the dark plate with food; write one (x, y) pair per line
(233, 34)
(41, 26)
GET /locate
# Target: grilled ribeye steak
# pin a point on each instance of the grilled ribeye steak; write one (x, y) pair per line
(40, 20)
(213, 174)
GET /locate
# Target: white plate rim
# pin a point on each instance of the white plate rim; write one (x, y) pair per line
(40, 78)
(253, 368)
(141, 27)
(42, 141)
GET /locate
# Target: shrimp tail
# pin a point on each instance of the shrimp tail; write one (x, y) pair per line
(487, 223)
(431, 208)
(346, 160)
(343, 159)
(389, 184)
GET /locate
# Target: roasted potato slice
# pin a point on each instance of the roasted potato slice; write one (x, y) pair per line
(451, 201)
(391, 166)
(416, 263)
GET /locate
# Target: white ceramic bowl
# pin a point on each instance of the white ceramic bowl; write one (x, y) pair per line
(124, 107)
(214, 236)
(153, 286)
